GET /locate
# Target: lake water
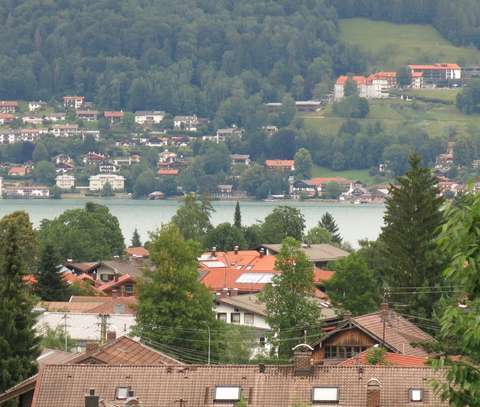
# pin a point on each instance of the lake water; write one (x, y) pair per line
(355, 221)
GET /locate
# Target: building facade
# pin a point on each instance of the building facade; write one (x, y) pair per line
(97, 182)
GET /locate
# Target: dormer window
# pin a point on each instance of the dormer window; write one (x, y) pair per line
(416, 395)
(325, 395)
(227, 394)
(121, 393)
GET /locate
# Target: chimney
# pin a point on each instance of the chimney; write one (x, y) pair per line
(233, 292)
(373, 393)
(111, 336)
(91, 347)
(214, 251)
(302, 360)
(262, 252)
(236, 249)
(91, 400)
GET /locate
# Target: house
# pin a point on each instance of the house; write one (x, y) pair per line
(223, 134)
(318, 254)
(281, 165)
(33, 120)
(87, 115)
(119, 351)
(9, 136)
(244, 271)
(149, 117)
(6, 118)
(137, 252)
(261, 385)
(65, 182)
(64, 130)
(31, 135)
(73, 102)
(122, 161)
(97, 182)
(55, 117)
(374, 86)
(167, 158)
(109, 270)
(93, 158)
(438, 74)
(19, 171)
(308, 105)
(224, 192)
(8, 106)
(120, 285)
(270, 130)
(27, 192)
(108, 168)
(356, 334)
(186, 123)
(316, 186)
(113, 117)
(240, 159)
(35, 106)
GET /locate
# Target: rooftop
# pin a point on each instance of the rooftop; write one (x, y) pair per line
(315, 252)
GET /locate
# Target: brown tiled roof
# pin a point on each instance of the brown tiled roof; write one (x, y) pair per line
(92, 305)
(126, 351)
(162, 386)
(132, 267)
(314, 252)
(391, 359)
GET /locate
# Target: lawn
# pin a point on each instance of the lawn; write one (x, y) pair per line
(354, 175)
(442, 94)
(394, 45)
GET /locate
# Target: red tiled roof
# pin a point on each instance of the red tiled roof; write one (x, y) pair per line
(18, 170)
(359, 80)
(138, 252)
(275, 386)
(126, 278)
(7, 116)
(279, 163)
(8, 103)
(321, 181)
(321, 276)
(167, 172)
(435, 67)
(391, 359)
(113, 114)
(30, 279)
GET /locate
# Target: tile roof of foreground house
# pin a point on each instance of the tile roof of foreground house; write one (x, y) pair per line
(122, 351)
(200, 385)
(138, 252)
(92, 305)
(391, 359)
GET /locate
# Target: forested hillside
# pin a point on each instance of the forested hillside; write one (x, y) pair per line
(184, 56)
(457, 20)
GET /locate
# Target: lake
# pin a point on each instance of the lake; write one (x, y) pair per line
(355, 221)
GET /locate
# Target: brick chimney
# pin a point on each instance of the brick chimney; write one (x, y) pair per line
(236, 249)
(302, 360)
(111, 336)
(91, 400)
(373, 393)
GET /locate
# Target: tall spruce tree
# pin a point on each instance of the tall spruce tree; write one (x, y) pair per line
(51, 286)
(19, 346)
(136, 242)
(328, 222)
(237, 219)
(289, 303)
(413, 219)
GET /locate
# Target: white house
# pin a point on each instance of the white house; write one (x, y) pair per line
(65, 181)
(186, 123)
(97, 182)
(36, 105)
(149, 117)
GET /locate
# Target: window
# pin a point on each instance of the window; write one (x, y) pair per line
(235, 317)
(222, 316)
(342, 352)
(416, 394)
(248, 318)
(325, 394)
(262, 341)
(121, 393)
(227, 393)
(129, 288)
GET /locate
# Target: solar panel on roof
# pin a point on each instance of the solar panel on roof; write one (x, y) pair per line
(255, 278)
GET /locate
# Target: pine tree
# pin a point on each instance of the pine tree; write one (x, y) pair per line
(237, 219)
(51, 286)
(18, 343)
(288, 300)
(136, 242)
(328, 222)
(412, 223)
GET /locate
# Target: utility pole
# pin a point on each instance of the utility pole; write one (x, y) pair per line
(386, 295)
(103, 327)
(65, 331)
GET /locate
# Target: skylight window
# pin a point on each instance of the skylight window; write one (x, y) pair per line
(416, 394)
(325, 394)
(227, 393)
(255, 278)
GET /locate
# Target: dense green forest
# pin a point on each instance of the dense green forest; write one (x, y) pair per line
(185, 56)
(458, 20)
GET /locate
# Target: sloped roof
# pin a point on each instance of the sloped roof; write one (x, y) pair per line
(126, 278)
(138, 252)
(325, 180)
(277, 386)
(92, 305)
(280, 163)
(391, 359)
(315, 252)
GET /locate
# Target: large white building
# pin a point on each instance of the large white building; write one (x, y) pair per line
(148, 117)
(65, 181)
(374, 86)
(97, 182)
